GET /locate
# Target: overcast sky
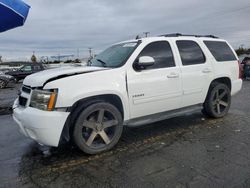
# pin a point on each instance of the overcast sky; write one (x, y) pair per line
(62, 26)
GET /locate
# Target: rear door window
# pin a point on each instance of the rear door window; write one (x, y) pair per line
(190, 52)
(220, 50)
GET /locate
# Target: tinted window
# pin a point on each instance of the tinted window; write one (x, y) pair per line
(161, 52)
(220, 50)
(190, 52)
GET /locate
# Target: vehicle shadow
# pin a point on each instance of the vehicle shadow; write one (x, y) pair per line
(41, 157)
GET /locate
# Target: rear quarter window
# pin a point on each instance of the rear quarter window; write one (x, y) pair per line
(220, 50)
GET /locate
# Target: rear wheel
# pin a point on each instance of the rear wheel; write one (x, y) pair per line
(218, 100)
(98, 128)
(3, 84)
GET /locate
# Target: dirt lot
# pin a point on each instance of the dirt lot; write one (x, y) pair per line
(188, 151)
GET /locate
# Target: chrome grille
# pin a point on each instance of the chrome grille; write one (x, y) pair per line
(26, 89)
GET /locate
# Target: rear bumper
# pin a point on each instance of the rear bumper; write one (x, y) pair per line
(42, 126)
(236, 86)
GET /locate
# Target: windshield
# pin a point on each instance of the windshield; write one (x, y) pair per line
(114, 56)
(25, 68)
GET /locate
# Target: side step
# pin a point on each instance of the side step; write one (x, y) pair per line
(162, 116)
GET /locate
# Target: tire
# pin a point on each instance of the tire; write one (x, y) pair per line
(98, 128)
(3, 84)
(218, 100)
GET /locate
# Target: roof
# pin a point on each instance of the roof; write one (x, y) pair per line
(173, 35)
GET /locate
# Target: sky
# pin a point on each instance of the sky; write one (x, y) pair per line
(67, 27)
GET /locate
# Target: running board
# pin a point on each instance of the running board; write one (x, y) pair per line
(162, 116)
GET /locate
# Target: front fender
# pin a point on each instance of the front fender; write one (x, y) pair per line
(74, 88)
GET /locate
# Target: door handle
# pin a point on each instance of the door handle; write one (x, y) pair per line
(207, 70)
(173, 75)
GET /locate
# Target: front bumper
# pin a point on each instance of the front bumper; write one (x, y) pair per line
(42, 126)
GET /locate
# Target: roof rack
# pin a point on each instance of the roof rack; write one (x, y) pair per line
(182, 35)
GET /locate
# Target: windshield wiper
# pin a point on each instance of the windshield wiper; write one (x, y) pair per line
(102, 62)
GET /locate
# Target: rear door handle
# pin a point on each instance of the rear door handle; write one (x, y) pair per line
(207, 70)
(173, 75)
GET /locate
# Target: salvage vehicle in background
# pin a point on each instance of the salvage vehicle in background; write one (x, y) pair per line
(26, 70)
(5, 80)
(132, 83)
(246, 69)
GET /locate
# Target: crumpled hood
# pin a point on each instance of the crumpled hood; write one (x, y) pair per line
(38, 79)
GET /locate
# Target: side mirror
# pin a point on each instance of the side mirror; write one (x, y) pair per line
(146, 61)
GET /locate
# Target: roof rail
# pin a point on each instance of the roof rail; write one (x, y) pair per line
(180, 35)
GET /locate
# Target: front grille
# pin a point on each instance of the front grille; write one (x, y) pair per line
(26, 89)
(22, 101)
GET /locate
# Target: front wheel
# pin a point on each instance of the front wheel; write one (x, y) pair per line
(218, 100)
(3, 84)
(98, 128)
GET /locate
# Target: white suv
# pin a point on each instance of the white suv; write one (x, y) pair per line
(131, 83)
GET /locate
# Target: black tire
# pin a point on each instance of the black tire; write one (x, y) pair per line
(98, 128)
(3, 84)
(218, 100)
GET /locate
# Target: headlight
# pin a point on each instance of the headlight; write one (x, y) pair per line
(43, 99)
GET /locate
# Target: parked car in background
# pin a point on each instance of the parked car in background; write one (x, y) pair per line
(245, 60)
(5, 80)
(245, 63)
(246, 69)
(26, 70)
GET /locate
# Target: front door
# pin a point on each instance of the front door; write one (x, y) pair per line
(156, 88)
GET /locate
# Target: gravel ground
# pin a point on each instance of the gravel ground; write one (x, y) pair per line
(188, 151)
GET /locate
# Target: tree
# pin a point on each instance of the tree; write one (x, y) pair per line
(33, 58)
(242, 50)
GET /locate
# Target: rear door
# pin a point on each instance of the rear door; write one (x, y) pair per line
(156, 88)
(196, 71)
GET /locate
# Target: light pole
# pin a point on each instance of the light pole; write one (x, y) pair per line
(146, 34)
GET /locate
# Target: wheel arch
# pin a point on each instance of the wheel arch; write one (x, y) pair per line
(4, 79)
(81, 104)
(225, 80)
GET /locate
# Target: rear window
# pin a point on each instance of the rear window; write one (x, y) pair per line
(220, 50)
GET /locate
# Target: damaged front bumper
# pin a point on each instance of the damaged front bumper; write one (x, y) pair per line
(42, 126)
